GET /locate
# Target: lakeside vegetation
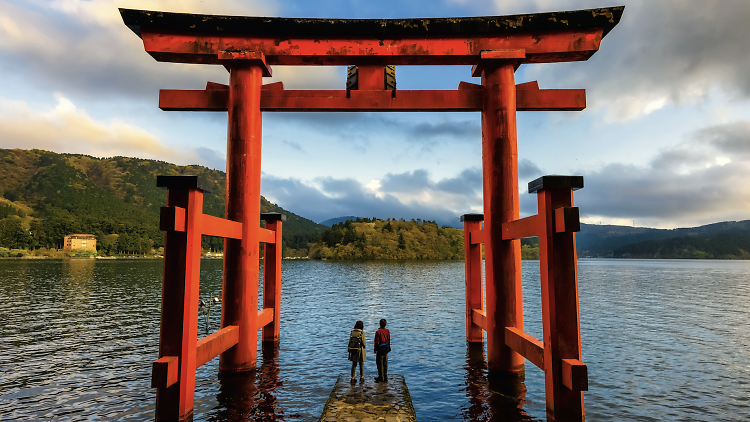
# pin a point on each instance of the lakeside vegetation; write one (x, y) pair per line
(372, 238)
(45, 196)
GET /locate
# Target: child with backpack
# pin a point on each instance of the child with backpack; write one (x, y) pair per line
(356, 350)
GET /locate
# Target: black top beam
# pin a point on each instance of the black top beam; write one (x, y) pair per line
(605, 18)
(554, 182)
(182, 181)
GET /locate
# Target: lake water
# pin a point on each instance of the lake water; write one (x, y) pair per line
(663, 340)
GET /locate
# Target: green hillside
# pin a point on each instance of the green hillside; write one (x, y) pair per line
(45, 195)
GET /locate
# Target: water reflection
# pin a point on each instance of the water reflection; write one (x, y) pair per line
(251, 395)
(491, 397)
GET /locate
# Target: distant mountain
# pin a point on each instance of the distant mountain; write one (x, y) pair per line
(606, 241)
(719, 245)
(45, 195)
(331, 221)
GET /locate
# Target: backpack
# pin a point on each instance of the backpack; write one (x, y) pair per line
(355, 343)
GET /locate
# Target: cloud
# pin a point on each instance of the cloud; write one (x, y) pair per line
(407, 195)
(662, 53)
(527, 170)
(66, 128)
(83, 49)
(701, 180)
(359, 130)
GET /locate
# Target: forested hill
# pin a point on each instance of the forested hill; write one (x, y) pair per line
(45, 195)
(364, 238)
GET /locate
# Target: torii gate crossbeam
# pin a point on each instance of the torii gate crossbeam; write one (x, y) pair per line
(495, 46)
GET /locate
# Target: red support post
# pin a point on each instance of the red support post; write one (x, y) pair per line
(240, 284)
(179, 310)
(500, 191)
(272, 276)
(473, 268)
(564, 373)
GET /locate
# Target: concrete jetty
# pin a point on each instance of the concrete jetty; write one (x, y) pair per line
(369, 402)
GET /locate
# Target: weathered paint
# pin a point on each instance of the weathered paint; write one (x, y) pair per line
(560, 314)
(539, 47)
(240, 284)
(272, 281)
(179, 308)
(500, 190)
(473, 280)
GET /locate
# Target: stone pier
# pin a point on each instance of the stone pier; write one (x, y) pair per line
(369, 402)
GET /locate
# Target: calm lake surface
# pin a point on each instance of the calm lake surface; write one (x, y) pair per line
(663, 340)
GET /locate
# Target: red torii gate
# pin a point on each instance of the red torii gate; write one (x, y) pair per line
(495, 46)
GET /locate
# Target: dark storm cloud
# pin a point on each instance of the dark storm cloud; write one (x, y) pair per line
(350, 198)
(703, 179)
(467, 183)
(668, 51)
(732, 138)
(362, 128)
(527, 170)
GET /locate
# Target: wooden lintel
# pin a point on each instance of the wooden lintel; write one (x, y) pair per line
(525, 227)
(567, 220)
(525, 345)
(220, 227)
(575, 375)
(479, 318)
(542, 47)
(172, 219)
(165, 371)
(215, 344)
(477, 236)
(467, 98)
(265, 317)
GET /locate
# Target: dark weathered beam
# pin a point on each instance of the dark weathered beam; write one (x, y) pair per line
(539, 47)
(140, 20)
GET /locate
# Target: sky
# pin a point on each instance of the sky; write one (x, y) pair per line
(664, 141)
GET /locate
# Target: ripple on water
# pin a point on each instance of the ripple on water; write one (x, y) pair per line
(664, 340)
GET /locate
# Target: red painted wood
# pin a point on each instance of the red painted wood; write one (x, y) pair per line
(575, 375)
(370, 78)
(172, 219)
(500, 190)
(477, 236)
(272, 281)
(254, 58)
(479, 318)
(526, 345)
(179, 317)
(214, 226)
(191, 298)
(265, 317)
(560, 314)
(215, 344)
(165, 371)
(240, 285)
(542, 47)
(464, 99)
(473, 281)
(567, 220)
(266, 236)
(525, 227)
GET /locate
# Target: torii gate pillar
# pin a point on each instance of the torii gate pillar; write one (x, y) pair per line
(240, 283)
(500, 190)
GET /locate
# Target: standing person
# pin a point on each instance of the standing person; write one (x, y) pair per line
(356, 349)
(382, 347)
